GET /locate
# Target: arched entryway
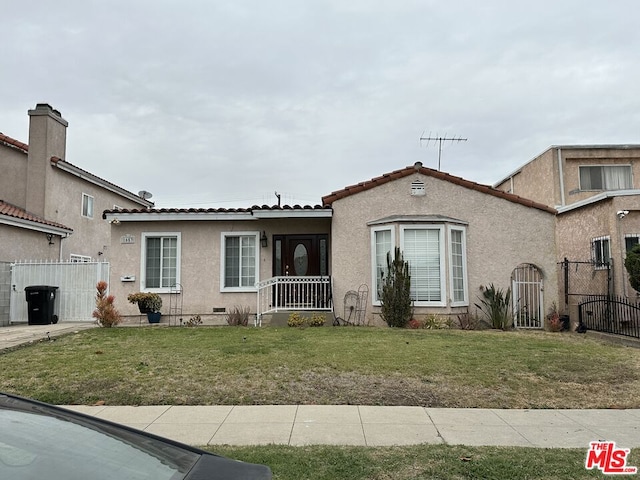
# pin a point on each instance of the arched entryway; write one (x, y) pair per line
(526, 291)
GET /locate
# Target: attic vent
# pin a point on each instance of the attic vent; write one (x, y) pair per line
(417, 189)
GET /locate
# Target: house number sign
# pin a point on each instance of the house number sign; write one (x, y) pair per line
(127, 239)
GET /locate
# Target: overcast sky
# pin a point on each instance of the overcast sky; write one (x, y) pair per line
(217, 103)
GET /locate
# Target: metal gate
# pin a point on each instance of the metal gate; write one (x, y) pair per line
(526, 288)
(76, 282)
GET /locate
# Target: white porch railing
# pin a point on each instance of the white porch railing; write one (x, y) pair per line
(293, 293)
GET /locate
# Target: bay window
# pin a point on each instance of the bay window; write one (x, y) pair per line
(437, 257)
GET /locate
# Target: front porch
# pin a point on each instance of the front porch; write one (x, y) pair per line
(279, 296)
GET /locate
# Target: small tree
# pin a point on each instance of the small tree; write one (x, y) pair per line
(105, 313)
(632, 265)
(395, 297)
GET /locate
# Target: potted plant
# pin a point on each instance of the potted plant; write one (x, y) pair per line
(149, 303)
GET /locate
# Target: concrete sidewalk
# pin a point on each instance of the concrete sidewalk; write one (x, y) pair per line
(376, 426)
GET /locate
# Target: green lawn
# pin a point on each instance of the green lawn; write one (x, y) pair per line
(441, 462)
(346, 365)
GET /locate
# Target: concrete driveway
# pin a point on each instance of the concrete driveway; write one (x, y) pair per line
(19, 334)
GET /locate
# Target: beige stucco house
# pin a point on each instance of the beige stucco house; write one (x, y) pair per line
(51, 209)
(596, 192)
(457, 236)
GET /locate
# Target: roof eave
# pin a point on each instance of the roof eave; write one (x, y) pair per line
(89, 177)
(112, 216)
(598, 198)
(31, 225)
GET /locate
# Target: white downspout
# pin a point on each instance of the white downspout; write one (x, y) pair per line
(561, 173)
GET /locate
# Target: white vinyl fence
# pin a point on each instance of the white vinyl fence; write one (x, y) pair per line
(76, 282)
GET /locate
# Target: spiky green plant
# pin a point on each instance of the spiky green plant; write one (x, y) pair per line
(494, 303)
(395, 299)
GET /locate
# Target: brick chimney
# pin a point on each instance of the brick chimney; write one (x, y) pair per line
(47, 138)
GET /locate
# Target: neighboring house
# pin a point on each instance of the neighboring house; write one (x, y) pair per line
(457, 235)
(50, 211)
(596, 191)
(49, 208)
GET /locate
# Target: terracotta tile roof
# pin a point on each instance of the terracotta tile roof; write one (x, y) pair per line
(16, 212)
(284, 208)
(388, 177)
(12, 142)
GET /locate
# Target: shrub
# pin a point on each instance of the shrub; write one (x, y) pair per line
(435, 322)
(147, 302)
(105, 313)
(632, 265)
(295, 320)
(238, 316)
(316, 320)
(466, 321)
(495, 305)
(395, 298)
(553, 319)
(193, 321)
(414, 324)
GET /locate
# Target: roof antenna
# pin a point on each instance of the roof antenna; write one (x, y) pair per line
(440, 139)
(278, 195)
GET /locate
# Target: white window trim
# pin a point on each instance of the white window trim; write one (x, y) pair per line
(374, 280)
(86, 195)
(443, 281)
(465, 301)
(223, 247)
(143, 260)
(593, 251)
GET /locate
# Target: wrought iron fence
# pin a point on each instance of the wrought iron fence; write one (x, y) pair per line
(584, 278)
(610, 314)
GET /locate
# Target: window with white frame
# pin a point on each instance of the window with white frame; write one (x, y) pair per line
(606, 177)
(87, 205)
(601, 252)
(160, 260)
(458, 266)
(240, 254)
(437, 257)
(422, 247)
(382, 245)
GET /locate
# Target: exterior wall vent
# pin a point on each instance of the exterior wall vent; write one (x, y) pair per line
(417, 189)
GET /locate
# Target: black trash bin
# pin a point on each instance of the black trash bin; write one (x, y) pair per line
(41, 301)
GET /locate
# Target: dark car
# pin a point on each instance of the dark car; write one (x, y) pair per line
(41, 441)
